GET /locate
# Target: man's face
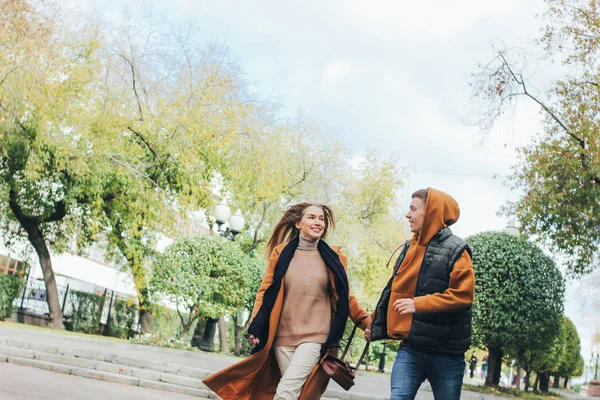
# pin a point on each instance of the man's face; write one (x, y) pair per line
(416, 214)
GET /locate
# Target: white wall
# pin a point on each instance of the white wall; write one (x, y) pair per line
(71, 266)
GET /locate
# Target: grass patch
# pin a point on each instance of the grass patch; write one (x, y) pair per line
(510, 392)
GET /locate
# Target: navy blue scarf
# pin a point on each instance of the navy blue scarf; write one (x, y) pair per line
(259, 327)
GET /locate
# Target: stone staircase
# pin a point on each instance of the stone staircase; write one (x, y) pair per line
(109, 366)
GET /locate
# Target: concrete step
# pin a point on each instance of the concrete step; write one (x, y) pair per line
(109, 357)
(62, 358)
(113, 368)
(107, 376)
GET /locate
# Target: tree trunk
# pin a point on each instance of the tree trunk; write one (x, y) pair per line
(145, 310)
(133, 251)
(237, 333)
(186, 331)
(566, 382)
(556, 383)
(56, 316)
(494, 366)
(518, 377)
(136, 266)
(544, 383)
(527, 380)
(223, 336)
(536, 383)
(36, 238)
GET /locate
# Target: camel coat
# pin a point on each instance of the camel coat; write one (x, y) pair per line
(257, 376)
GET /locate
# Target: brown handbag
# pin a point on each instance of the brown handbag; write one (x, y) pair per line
(341, 371)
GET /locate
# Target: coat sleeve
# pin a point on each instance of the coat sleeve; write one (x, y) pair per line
(266, 282)
(459, 294)
(356, 311)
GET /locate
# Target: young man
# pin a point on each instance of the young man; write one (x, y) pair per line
(427, 302)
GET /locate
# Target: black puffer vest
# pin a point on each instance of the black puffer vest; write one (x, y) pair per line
(445, 332)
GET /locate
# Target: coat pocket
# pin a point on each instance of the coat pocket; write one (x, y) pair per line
(398, 324)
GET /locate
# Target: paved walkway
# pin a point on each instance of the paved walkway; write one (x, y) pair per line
(26, 383)
(367, 382)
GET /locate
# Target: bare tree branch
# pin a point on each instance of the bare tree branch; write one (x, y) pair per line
(521, 82)
(60, 211)
(145, 141)
(580, 141)
(8, 73)
(126, 165)
(137, 97)
(263, 217)
(590, 18)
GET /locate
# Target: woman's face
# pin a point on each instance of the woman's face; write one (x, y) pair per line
(312, 224)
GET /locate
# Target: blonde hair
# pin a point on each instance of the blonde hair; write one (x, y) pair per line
(286, 230)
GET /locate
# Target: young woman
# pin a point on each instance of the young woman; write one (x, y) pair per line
(299, 315)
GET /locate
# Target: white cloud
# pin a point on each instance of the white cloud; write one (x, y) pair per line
(336, 72)
(430, 16)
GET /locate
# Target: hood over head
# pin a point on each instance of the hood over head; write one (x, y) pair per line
(441, 211)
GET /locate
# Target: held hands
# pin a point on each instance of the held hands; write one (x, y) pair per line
(404, 306)
(368, 331)
(253, 341)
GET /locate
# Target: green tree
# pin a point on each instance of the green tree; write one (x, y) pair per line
(579, 369)
(546, 361)
(519, 297)
(52, 182)
(290, 161)
(571, 353)
(371, 223)
(559, 172)
(255, 269)
(173, 107)
(203, 276)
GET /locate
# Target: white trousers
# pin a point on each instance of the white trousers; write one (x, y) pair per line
(295, 364)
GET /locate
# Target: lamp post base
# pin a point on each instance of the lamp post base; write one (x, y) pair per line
(208, 340)
(594, 388)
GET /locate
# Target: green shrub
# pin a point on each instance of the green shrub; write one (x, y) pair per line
(86, 312)
(165, 322)
(10, 287)
(153, 339)
(124, 317)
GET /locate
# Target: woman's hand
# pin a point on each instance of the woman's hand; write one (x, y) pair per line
(368, 330)
(253, 341)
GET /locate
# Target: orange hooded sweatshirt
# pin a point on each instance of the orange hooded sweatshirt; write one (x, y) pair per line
(441, 211)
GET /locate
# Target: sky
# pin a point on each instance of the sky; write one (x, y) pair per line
(393, 76)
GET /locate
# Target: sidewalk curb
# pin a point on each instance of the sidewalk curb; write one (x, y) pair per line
(108, 377)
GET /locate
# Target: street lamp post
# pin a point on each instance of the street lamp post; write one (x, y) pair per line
(235, 224)
(382, 358)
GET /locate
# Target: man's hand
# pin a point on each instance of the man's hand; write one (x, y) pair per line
(404, 306)
(253, 341)
(368, 331)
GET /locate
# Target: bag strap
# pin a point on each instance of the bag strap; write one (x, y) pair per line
(347, 348)
(362, 356)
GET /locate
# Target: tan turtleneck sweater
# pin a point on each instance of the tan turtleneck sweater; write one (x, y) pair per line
(306, 314)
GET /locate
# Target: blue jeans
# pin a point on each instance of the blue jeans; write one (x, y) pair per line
(412, 367)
